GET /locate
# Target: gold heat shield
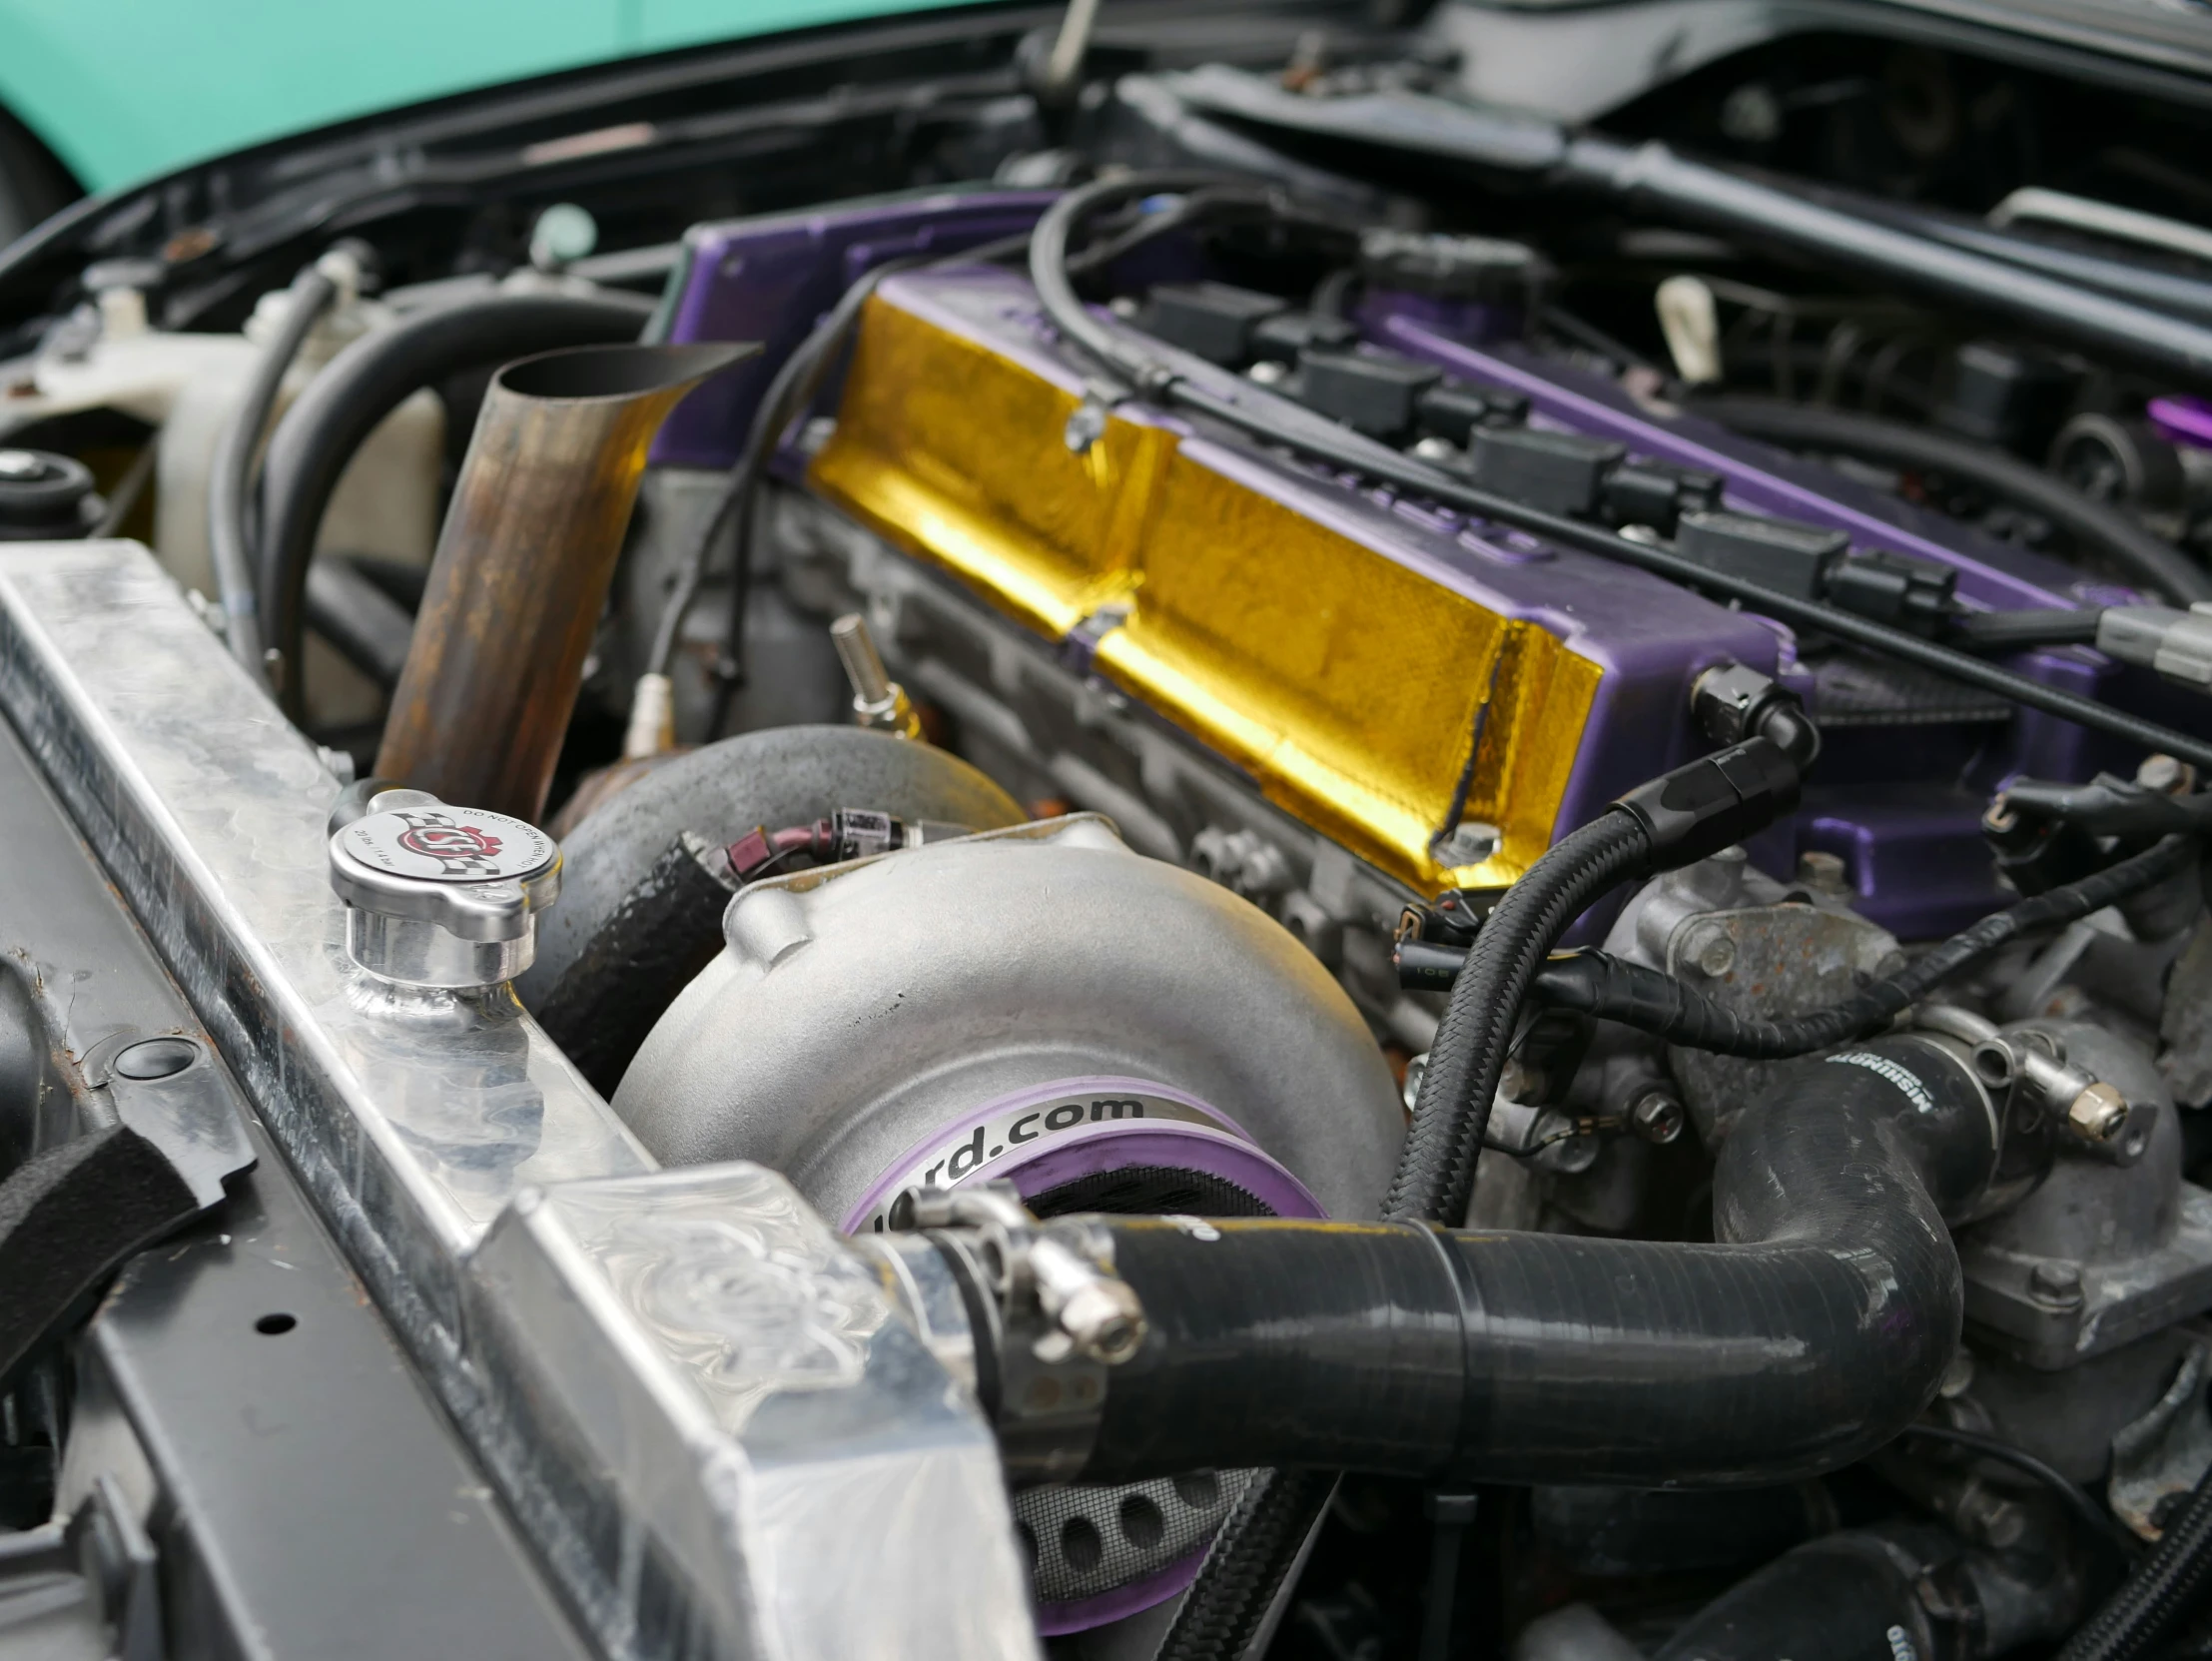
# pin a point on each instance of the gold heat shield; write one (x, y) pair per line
(1349, 686)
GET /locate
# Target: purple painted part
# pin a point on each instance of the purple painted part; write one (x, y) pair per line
(1917, 860)
(2182, 419)
(1758, 479)
(1052, 1090)
(769, 279)
(1465, 319)
(1054, 1619)
(1117, 1144)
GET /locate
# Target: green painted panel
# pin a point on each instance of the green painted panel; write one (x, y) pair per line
(123, 90)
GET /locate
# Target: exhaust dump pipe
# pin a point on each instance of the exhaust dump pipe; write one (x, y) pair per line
(523, 566)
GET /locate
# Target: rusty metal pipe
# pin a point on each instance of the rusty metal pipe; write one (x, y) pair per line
(522, 568)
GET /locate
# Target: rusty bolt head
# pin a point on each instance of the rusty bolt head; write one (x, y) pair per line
(2055, 1283)
(1656, 1115)
(2097, 1113)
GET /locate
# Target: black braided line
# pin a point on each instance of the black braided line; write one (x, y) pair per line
(1436, 1172)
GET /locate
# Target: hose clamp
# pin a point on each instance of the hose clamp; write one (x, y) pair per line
(1045, 1305)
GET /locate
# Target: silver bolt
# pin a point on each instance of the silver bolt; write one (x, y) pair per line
(1105, 1320)
(2164, 774)
(1656, 1115)
(1822, 872)
(2055, 1283)
(1711, 949)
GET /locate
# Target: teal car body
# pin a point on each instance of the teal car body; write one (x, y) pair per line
(123, 89)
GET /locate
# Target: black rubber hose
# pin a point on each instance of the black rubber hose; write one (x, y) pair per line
(2147, 561)
(1436, 1171)
(795, 386)
(230, 478)
(1846, 1597)
(1652, 1001)
(1654, 179)
(1815, 1331)
(370, 628)
(796, 382)
(661, 934)
(363, 384)
(2165, 1587)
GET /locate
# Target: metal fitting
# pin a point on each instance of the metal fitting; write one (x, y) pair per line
(1733, 701)
(878, 702)
(2056, 1284)
(1086, 1311)
(1711, 949)
(2167, 775)
(2097, 1113)
(1097, 1315)
(2177, 644)
(1656, 1115)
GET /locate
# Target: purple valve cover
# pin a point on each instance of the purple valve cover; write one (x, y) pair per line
(770, 279)
(1907, 829)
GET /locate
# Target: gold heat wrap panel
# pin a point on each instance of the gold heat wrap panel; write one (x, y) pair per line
(1349, 686)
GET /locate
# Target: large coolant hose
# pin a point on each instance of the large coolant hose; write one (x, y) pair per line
(1652, 1001)
(2145, 559)
(313, 444)
(1862, 1592)
(1813, 1332)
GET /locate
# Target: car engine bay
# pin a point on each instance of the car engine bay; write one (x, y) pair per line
(1339, 832)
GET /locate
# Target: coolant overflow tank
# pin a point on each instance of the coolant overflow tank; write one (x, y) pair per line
(1105, 1031)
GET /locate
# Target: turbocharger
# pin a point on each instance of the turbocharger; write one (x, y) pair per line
(1040, 1004)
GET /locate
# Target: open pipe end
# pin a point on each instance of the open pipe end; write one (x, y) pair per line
(581, 372)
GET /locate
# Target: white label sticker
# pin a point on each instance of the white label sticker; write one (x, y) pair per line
(448, 844)
(1902, 1077)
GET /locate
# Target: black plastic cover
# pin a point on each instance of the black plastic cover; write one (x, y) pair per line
(1559, 473)
(1371, 392)
(1213, 321)
(1453, 409)
(1784, 555)
(1282, 338)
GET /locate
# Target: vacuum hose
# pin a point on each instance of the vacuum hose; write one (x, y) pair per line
(1817, 1326)
(231, 475)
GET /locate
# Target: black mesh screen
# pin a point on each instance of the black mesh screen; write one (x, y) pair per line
(1150, 1190)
